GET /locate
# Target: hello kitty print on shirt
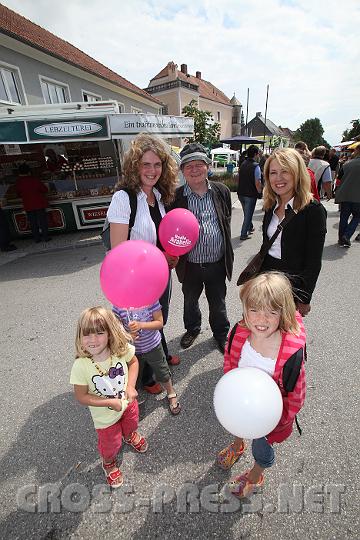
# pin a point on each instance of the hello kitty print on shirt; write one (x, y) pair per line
(111, 385)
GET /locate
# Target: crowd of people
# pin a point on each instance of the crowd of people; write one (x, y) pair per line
(121, 350)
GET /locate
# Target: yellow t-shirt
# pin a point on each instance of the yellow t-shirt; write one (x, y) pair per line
(113, 384)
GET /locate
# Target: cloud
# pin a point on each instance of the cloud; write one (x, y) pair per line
(308, 52)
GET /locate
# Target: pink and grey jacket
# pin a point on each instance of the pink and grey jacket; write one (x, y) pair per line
(287, 358)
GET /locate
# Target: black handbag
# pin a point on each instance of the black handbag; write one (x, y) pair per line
(255, 264)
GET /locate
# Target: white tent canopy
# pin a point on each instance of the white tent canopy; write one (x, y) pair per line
(223, 151)
(230, 154)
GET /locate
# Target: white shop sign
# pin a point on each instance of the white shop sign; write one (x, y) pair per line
(67, 129)
(122, 125)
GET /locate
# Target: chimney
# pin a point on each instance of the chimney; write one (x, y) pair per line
(198, 74)
(258, 113)
(184, 69)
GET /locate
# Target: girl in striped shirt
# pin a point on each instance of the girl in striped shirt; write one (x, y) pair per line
(270, 337)
(144, 325)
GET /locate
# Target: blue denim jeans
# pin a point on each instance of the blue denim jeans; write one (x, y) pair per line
(347, 228)
(263, 453)
(248, 205)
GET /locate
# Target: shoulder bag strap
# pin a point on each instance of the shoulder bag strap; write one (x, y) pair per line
(289, 214)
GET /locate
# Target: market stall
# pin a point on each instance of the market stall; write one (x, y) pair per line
(222, 156)
(75, 149)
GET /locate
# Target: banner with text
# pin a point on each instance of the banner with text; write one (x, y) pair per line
(129, 125)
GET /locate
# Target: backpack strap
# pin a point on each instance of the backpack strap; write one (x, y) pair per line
(231, 337)
(291, 370)
(133, 208)
(105, 234)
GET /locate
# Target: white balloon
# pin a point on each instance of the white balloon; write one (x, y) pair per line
(248, 402)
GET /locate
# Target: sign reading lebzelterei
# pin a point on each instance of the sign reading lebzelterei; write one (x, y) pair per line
(86, 128)
(122, 125)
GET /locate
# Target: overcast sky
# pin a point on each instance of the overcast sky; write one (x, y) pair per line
(306, 50)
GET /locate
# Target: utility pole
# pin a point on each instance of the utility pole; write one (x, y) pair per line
(247, 112)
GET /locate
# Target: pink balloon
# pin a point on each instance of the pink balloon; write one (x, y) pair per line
(134, 274)
(178, 231)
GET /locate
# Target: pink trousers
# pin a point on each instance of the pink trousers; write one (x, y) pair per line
(110, 438)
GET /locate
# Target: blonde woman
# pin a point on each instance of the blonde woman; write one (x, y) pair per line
(297, 251)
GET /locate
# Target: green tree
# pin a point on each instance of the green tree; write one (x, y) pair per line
(352, 133)
(206, 131)
(311, 132)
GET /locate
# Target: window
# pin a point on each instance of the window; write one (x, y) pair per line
(218, 116)
(9, 85)
(136, 111)
(54, 92)
(90, 96)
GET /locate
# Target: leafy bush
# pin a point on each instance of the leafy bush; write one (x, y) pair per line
(228, 179)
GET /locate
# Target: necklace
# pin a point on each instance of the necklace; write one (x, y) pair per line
(101, 371)
(152, 203)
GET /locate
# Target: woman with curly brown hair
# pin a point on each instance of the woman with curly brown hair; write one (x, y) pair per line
(149, 173)
(297, 250)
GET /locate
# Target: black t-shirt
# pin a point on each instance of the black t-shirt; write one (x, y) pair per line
(156, 217)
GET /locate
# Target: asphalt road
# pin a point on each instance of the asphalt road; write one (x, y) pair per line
(47, 440)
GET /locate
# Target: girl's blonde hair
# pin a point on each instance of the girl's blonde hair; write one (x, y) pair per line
(290, 160)
(271, 291)
(99, 319)
(131, 178)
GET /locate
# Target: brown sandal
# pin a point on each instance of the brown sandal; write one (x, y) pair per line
(174, 409)
(140, 446)
(115, 477)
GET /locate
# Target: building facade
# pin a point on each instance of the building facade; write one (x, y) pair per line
(176, 88)
(274, 135)
(37, 67)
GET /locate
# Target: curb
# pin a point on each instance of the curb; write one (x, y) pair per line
(64, 248)
(15, 255)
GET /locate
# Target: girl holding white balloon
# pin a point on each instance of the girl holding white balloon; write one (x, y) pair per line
(261, 401)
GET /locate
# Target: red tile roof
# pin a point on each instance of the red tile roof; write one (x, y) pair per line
(206, 89)
(22, 29)
(162, 73)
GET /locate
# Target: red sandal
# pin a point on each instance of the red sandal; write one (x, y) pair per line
(114, 478)
(140, 446)
(228, 456)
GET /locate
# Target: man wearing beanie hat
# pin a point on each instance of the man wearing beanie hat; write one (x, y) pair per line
(211, 260)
